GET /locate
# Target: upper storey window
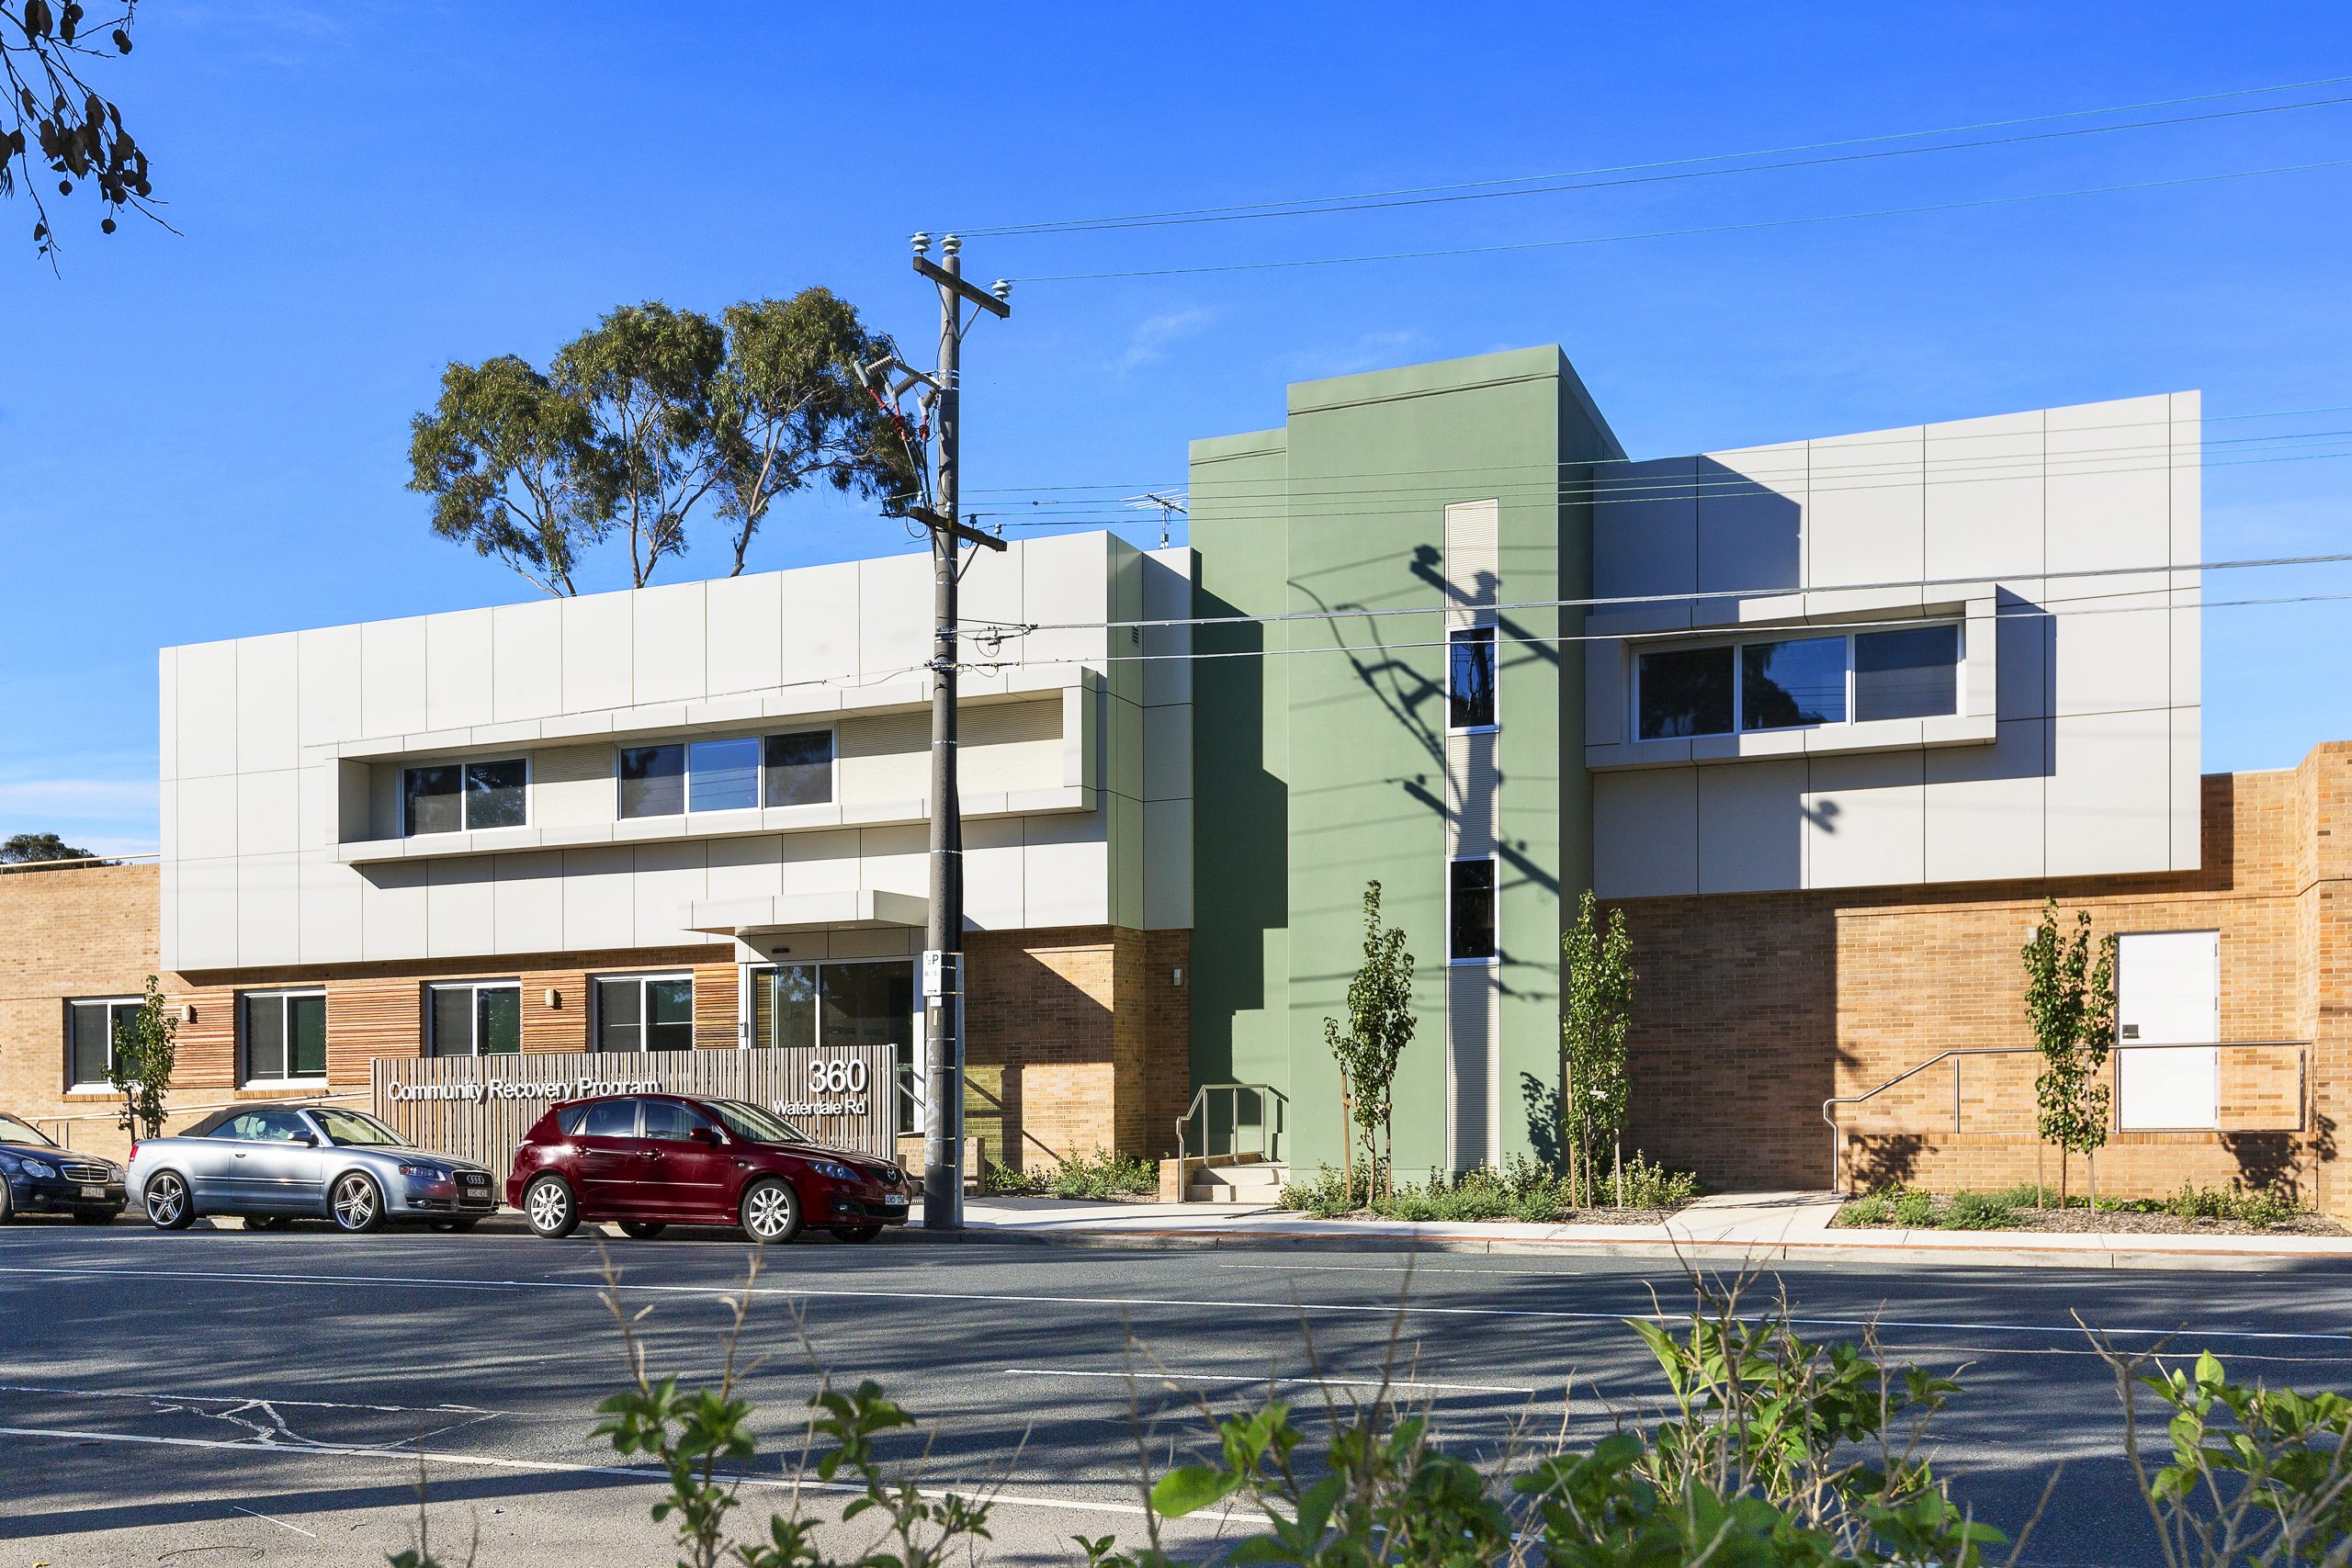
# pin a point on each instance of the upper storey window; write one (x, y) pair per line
(451, 796)
(1797, 682)
(735, 774)
(1470, 679)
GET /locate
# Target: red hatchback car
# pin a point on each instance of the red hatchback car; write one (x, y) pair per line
(654, 1160)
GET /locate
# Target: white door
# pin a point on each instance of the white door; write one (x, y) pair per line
(2167, 999)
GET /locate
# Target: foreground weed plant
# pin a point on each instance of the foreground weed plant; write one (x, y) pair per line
(1769, 1451)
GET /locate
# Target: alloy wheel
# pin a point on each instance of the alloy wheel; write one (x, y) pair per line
(357, 1207)
(167, 1204)
(547, 1205)
(771, 1212)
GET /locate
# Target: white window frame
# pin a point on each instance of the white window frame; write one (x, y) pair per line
(103, 1085)
(759, 738)
(1495, 898)
(1780, 634)
(281, 995)
(1495, 676)
(465, 825)
(596, 984)
(474, 1013)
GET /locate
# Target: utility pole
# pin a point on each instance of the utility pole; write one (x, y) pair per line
(943, 959)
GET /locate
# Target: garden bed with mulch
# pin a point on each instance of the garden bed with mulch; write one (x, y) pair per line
(2193, 1213)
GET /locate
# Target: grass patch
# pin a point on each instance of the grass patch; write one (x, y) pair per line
(1524, 1189)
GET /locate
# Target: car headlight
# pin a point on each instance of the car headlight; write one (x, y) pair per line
(835, 1170)
(41, 1168)
(429, 1172)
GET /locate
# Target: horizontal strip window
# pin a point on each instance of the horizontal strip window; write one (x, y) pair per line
(448, 798)
(474, 1019)
(1797, 682)
(90, 1024)
(283, 1036)
(736, 774)
(645, 1012)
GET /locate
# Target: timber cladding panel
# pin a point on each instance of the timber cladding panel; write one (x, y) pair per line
(479, 1108)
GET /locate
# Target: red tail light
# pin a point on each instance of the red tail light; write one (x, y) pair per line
(134, 1153)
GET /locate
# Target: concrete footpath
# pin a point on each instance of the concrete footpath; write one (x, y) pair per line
(1776, 1227)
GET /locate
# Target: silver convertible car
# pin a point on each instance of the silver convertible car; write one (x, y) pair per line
(273, 1165)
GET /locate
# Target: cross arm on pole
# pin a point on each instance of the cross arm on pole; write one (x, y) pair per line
(963, 290)
(929, 519)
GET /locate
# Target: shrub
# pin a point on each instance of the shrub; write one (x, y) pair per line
(1915, 1210)
(2268, 1206)
(1871, 1209)
(1094, 1174)
(1328, 1194)
(1651, 1186)
(1979, 1212)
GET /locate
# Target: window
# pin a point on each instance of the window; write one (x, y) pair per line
(600, 1119)
(671, 1122)
(1785, 684)
(1789, 682)
(738, 772)
(1470, 678)
(654, 781)
(723, 775)
(800, 768)
(266, 1127)
(1470, 926)
(355, 1130)
(1685, 690)
(645, 1012)
(1911, 673)
(89, 1038)
(285, 1035)
(449, 797)
(474, 1019)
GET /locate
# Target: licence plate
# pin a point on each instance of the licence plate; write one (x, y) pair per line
(895, 1199)
(93, 1191)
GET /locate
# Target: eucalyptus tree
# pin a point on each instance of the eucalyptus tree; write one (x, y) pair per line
(509, 460)
(789, 407)
(53, 124)
(644, 375)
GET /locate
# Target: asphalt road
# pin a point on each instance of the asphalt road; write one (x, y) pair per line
(224, 1396)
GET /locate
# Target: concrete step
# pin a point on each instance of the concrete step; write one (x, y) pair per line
(1256, 1182)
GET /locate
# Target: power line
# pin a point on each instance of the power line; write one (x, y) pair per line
(1681, 233)
(1597, 462)
(1633, 167)
(1549, 184)
(1025, 629)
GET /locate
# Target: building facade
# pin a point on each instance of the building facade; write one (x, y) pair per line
(1829, 720)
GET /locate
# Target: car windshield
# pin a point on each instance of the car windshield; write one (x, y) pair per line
(13, 1130)
(350, 1129)
(751, 1122)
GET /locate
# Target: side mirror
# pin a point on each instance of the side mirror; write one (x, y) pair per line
(708, 1136)
(311, 1140)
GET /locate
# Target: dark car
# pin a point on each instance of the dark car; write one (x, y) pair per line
(38, 1177)
(276, 1164)
(653, 1160)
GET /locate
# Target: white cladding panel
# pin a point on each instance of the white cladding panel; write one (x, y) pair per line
(263, 810)
(2090, 763)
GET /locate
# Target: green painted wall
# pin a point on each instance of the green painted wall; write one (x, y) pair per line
(1321, 763)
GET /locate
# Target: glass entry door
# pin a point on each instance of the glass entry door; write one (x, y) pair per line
(863, 1002)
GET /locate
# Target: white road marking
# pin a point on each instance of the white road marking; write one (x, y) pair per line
(1400, 1383)
(1382, 1309)
(281, 1524)
(624, 1472)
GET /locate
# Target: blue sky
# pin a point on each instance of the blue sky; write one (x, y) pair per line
(204, 436)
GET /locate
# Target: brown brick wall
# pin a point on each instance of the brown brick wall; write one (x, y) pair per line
(77, 931)
(1752, 1009)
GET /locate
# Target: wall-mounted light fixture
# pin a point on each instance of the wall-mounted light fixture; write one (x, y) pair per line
(555, 999)
(187, 1013)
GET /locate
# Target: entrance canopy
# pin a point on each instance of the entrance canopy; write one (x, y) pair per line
(748, 918)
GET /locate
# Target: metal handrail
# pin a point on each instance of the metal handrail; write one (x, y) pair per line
(1837, 1142)
(1233, 1091)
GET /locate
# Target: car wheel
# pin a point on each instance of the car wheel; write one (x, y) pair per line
(357, 1204)
(169, 1205)
(770, 1211)
(858, 1232)
(92, 1217)
(267, 1221)
(550, 1208)
(644, 1230)
(8, 1204)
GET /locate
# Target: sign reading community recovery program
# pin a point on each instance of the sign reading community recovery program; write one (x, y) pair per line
(479, 1108)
